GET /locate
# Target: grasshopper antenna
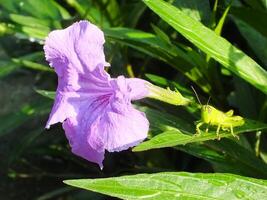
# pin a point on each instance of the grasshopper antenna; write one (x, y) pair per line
(208, 100)
(196, 95)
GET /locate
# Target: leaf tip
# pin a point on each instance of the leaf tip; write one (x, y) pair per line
(135, 149)
(68, 182)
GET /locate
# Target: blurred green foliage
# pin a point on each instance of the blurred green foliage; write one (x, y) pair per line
(219, 47)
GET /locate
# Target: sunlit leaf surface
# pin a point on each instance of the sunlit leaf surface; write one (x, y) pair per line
(174, 185)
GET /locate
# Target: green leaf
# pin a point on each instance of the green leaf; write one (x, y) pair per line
(232, 159)
(181, 59)
(112, 11)
(254, 38)
(94, 11)
(7, 67)
(29, 21)
(264, 3)
(63, 12)
(255, 4)
(55, 193)
(161, 34)
(244, 159)
(33, 33)
(158, 79)
(41, 9)
(226, 155)
(12, 121)
(212, 44)
(245, 98)
(220, 162)
(33, 19)
(197, 9)
(176, 185)
(32, 65)
(25, 141)
(162, 121)
(176, 137)
(31, 26)
(253, 17)
(133, 11)
(221, 22)
(48, 94)
(150, 44)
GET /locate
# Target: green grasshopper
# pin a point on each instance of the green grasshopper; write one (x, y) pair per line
(214, 117)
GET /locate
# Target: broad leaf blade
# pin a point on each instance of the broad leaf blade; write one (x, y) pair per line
(173, 185)
(212, 44)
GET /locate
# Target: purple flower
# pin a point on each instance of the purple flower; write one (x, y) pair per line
(95, 109)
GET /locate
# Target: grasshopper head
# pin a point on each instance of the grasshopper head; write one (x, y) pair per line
(208, 113)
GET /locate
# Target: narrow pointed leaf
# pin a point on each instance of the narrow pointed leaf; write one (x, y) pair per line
(197, 9)
(13, 120)
(175, 137)
(221, 22)
(184, 60)
(11, 65)
(253, 17)
(48, 94)
(212, 44)
(254, 38)
(30, 21)
(32, 65)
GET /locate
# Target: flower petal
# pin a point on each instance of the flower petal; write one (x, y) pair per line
(62, 108)
(77, 92)
(78, 141)
(77, 129)
(138, 88)
(80, 46)
(77, 55)
(120, 127)
(107, 122)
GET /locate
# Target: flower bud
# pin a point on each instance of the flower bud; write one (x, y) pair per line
(166, 95)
